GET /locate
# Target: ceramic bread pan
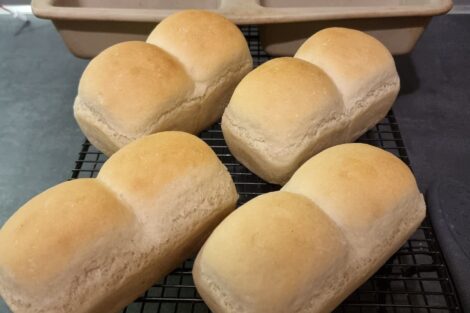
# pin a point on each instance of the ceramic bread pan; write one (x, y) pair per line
(89, 26)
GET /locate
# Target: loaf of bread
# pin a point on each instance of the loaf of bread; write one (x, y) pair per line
(94, 245)
(340, 83)
(305, 248)
(181, 79)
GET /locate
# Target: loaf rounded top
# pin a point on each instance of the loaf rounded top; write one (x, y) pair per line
(262, 253)
(206, 43)
(43, 238)
(354, 59)
(147, 165)
(131, 84)
(284, 96)
(356, 184)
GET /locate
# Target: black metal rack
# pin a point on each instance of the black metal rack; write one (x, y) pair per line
(415, 279)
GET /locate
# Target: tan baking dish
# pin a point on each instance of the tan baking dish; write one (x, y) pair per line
(89, 26)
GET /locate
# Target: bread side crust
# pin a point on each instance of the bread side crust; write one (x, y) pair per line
(97, 130)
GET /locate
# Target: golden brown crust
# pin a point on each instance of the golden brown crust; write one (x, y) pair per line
(340, 83)
(281, 96)
(266, 255)
(276, 111)
(131, 83)
(180, 80)
(96, 244)
(347, 175)
(40, 240)
(307, 247)
(204, 42)
(145, 182)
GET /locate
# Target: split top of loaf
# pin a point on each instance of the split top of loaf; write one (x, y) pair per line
(180, 79)
(207, 44)
(358, 63)
(307, 247)
(340, 83)
(96, 244)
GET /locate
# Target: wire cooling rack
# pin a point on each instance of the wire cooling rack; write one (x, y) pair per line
(415, 279)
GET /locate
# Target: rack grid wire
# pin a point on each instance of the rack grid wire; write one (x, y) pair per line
(415, 279)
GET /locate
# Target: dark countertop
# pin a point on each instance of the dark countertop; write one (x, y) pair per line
(40, 139)
(433, 108)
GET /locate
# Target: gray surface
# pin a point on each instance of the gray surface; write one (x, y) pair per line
(40, 140)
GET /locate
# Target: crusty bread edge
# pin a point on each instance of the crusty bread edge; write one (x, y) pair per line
(96, 129)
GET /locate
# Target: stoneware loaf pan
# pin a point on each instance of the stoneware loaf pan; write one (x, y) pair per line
(89, 26)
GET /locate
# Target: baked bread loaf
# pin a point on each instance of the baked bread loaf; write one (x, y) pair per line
(340, 83)
(307, 247)
(181, 79)
(94, 245)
